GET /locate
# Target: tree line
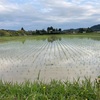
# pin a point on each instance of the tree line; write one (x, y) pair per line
(49, 30)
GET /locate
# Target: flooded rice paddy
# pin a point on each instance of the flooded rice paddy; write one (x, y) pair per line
(52, 58)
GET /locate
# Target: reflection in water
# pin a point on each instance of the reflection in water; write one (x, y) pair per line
(67, 58)
(53, 38)
(23, 41)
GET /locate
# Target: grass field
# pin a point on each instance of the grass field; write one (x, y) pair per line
(55, 90)
(22, 38)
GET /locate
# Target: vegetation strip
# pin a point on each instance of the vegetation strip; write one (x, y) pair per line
(95, 36)
(55, 90)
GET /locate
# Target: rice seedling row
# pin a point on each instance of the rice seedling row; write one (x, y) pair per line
(61, 58)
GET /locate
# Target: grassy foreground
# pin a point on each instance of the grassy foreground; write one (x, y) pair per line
(55, 90)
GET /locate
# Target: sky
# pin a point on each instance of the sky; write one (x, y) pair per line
(39, 14)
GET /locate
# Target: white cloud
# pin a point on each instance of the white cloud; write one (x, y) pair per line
(48, 12)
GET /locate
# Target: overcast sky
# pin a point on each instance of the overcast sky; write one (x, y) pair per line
(39, 14)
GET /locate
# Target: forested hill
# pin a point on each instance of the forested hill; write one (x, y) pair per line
(96, 27)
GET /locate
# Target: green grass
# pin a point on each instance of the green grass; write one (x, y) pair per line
(43, 37)
(21, 38)
(55, 90)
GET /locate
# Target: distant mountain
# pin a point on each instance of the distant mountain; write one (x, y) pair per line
(96, 27)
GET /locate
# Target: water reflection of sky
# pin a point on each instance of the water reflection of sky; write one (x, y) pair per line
(60, 59)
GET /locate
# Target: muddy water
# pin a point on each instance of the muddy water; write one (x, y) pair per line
(62, 59)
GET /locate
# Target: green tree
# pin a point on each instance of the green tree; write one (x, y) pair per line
(81, 30)
(59, 29)
(50, 29)
(22, 29)
(89, 30)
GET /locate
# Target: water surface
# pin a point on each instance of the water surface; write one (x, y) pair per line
(52, 58)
